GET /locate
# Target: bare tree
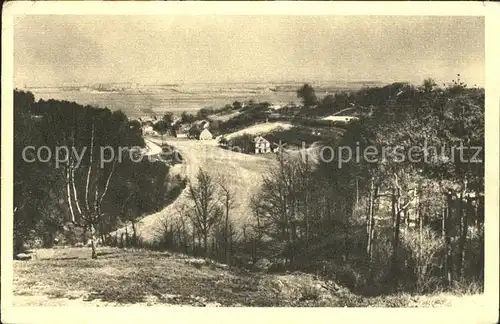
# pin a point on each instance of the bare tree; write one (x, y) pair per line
(227, 197)
(129, 214)
(87, 215)
(207, 210)
(183, 230)
(280, 207)
(401, 200)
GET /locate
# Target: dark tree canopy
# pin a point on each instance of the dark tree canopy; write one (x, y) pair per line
(40, 200)
(308, 95)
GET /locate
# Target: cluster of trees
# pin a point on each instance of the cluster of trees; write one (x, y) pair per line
(329, 104)
(205, 112)
(411, 223)
(187, 118)
(252, 113)
(242, 144)
(204, 226)
(91, 182)
(166, 125)
(380, 225)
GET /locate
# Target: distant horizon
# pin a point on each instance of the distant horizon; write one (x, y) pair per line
(73, 50)
(180, 82)
(184, 82)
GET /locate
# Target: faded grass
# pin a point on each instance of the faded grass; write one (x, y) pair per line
(141, 277)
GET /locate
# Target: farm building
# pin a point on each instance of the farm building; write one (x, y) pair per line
(148, 130)
(265, 144)
(262, 145)
(277, 106)
(206, 135)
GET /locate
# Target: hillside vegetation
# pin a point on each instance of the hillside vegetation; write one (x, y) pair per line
(68, 277)
(409, 218)
(242, 174)
(259, 129)
(70, 181)
(379, 229)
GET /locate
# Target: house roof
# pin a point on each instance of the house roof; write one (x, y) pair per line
(273, 139)
(205, 132)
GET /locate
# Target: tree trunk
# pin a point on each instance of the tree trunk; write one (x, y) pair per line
(254, 254)
(134, 233)
(447, 218)
(372, 220)
(101, 230)
(92, 242)
(463, 235)
(419, 220)
(18, 244)
(369, 222)
(126, 236)
(205, 243)
(395, 242)
(481, 256)
(226, 234)
(84, 236)
(443, 236)
(194, 243)
(357, 192)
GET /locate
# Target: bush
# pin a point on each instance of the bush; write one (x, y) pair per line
(262, 265)
(243, 143)
(347, 276)
(422, 253)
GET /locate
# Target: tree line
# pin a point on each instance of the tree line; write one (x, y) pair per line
(91, 192)
(376, 226)
(392, 224)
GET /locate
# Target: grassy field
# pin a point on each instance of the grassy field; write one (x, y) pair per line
(67, 276)
(241, 172)
(225, 116)
(259, 129)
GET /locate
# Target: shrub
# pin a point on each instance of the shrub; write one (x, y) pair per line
(422, 252)
(347, 276)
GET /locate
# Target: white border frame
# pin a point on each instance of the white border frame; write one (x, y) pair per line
(485, 314)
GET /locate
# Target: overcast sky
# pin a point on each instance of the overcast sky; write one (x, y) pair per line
(51, 50)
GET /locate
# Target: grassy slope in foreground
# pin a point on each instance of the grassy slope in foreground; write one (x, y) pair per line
(242, 172)
(69, 277)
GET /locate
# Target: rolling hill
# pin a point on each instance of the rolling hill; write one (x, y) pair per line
(241, 172)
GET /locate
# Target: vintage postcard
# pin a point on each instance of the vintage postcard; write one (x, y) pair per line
(220, 160)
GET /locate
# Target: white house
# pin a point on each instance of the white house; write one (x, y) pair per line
(206, 135)
(266, 144)
(276, 106)
(262, 145)
(147, 129)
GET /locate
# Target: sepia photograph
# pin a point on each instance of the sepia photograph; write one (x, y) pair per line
(247, 160)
